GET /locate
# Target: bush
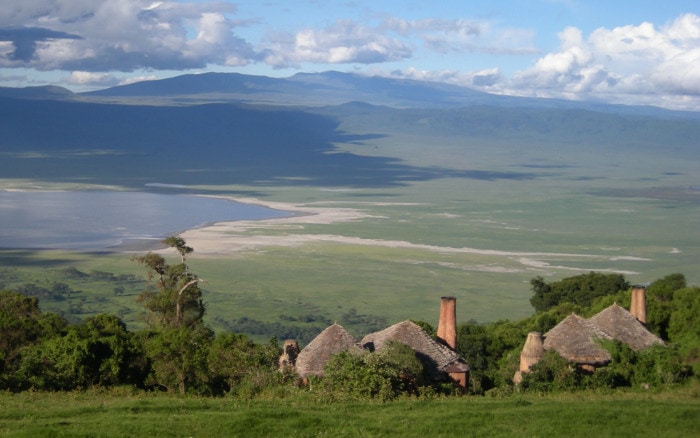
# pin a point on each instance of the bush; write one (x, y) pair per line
(551, 373)
(659, 365)
(385, 376)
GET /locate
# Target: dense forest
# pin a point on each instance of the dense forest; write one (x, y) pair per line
(179, 353)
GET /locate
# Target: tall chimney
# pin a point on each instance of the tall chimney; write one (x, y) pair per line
(638, 307)
(447, 324)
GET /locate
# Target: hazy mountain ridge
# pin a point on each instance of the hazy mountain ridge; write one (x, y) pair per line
(42, 92)
(335, 88)
(93, 137)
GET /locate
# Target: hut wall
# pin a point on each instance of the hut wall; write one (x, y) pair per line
(460, 379)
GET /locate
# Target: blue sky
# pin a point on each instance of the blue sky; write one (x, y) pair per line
(632, 52)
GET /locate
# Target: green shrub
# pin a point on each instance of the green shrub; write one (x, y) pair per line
(551, 373)
(385, 375)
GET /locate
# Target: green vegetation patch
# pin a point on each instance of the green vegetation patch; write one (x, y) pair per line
(128, 414)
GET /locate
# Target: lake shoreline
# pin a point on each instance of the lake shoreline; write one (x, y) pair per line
(113, 221)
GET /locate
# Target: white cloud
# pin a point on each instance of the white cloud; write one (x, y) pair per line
(120, 35)
(90, 78)
(481, 79)
(347, 41)
(217, 43)
(134, 79)
(459, 35)
(344, 42)
(86, 80)
(636, 64)
(642, 63)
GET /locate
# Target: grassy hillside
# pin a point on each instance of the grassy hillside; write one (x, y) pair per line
(128, 414)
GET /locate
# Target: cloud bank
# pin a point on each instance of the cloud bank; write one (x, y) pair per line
(652, 64)
(93, 40)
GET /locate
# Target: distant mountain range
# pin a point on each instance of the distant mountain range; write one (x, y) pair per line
(44, 92)
(334, 88)
(329, 88)
(319, 89)
(226, 128)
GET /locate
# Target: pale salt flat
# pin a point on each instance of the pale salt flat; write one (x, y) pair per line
(230, 238)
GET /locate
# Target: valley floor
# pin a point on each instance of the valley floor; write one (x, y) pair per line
(227, 238)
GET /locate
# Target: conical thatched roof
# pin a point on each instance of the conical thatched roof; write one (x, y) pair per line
(621, 325)
(436, 358)
(575, 340)
(312, 358)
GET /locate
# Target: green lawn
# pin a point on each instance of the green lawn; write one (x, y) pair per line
(675, 414)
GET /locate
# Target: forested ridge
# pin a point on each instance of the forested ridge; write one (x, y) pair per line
(178, 353)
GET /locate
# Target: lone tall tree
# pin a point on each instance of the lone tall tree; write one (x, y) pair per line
(179, 344)
(176, 299)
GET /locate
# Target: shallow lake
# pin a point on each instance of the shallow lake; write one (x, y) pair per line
(103, 220)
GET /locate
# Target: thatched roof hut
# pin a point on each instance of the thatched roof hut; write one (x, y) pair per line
(435, 357)
(621, 325)
(313, 358)
(575, 340)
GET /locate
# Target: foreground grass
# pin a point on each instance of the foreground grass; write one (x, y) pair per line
(140, 414)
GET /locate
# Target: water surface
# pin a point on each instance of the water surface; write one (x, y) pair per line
(97, 220)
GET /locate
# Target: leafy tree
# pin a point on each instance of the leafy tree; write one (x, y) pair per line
(22, 324)
(59, 363)
(659, 365)
(97, 352)
(19, 325)
(119, 358)
(176, 299)
(580, 290)
(179, 358)
(542, 298)
(473, 345)
(659, 299)
(492, 351)
(179, 346)
(233, 357)
(180, 246)
(622, 298)
(684, 325)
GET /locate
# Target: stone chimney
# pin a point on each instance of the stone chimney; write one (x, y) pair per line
(447, 324)
(531, 354)
(638, 307)
(290, 351)
(532, 351)
(447, 334)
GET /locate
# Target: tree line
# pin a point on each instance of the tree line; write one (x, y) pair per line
(179, 353)
(673, 314)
